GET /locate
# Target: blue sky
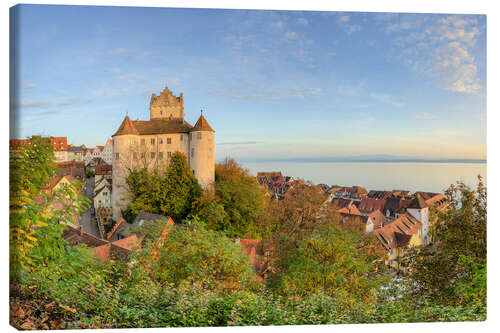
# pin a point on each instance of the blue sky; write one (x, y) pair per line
(273, 84)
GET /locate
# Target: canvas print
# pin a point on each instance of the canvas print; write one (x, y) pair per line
(175, 167)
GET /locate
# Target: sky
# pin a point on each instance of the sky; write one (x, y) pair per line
(272, 84)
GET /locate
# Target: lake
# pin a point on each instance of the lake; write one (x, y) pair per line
(430, 177)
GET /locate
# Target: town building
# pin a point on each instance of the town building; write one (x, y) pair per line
(151, 143)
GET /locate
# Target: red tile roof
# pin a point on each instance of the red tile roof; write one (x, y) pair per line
(352, 210)
(377, 218)
(127, 127)
(399, 232)
(117, 225)
(368, 205)
(202, 125)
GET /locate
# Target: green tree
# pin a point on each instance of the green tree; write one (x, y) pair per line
(452, 269)
(331, 261)
(169, 192)
(37, 218)
(243, 199)
(180, 255)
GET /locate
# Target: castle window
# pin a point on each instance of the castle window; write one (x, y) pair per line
(199, 136)
(161, 112)
(169, 154)
(143, 142)
(209, 135)
(169, 141)
(193, 171)
(160, 155)
(160, 141)
(142, 155)
(152, 141)
(152, 155)
(117, 156)
(192, 152)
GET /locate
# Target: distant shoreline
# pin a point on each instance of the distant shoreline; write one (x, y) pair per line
(313, 160)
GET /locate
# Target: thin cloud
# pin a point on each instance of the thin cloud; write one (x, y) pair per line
(387, 99)
(238, 143)
(278, 24)
(442, 48)
(29, 86)
(291, 35)
(424, 116)
(53, 102)
(302, 21)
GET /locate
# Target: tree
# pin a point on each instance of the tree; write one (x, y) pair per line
(188, 255)
(37, 218)
(171, 192)
(243, 199)
(332, 261)
(452, 269)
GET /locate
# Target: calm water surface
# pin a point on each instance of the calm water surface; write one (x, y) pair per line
(432, 177)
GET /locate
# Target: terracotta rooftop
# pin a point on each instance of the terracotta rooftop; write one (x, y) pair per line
(399, 232)
(202, 125)
(418, 202)
(153, 126)
(368, 205)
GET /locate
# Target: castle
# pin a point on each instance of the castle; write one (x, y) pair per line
(150, 144)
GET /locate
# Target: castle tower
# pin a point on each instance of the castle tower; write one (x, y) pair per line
(166, 106)
(201, 152)
(120, 196)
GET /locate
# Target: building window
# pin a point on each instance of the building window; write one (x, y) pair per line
(182, 137)
(160, 141)
(143, 142)
(193, 171)
(142, 155)
(199, 136)
(152, 155)
(192, 152)
(160, 155)
(209, 135)
(117, 156)
(135, 156)
(152, 141)
(161, 112)
(169, 141)
(169, 154)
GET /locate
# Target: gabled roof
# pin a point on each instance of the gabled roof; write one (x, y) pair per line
(127, 127)
(75, 236)
(101, 189)
(202, 125)
(378, 219)
(418, 202)
(405, 226)
(145, 216)
(351, 210)
(368, 205)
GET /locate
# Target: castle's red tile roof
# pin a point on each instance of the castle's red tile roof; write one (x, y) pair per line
(202, 125)
(127, 127)
(160, 126)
